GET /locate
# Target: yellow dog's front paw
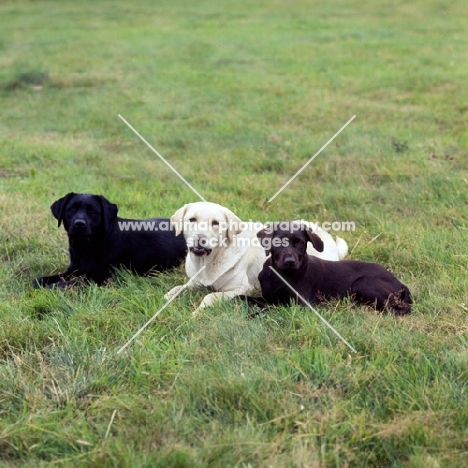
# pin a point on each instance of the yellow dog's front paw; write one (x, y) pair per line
(172, 293)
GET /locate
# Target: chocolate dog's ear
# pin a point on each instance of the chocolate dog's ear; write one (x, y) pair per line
(109, 212)
(264, 236)
(315, 239)
(59, 206)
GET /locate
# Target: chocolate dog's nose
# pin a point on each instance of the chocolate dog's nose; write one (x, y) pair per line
(79, 223)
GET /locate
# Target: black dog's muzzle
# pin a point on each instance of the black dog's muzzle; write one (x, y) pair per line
(80, 229)
(79, 224)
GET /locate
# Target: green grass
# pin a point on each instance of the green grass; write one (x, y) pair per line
(237, 97)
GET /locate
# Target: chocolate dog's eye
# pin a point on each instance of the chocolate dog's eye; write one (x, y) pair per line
(193, 220)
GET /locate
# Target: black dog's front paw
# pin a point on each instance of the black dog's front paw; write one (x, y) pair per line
(39, 283)
(56, 281)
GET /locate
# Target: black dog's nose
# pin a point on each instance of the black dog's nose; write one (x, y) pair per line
(79, 223)
(289, 261)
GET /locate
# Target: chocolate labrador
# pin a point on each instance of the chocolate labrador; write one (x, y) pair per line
(317, 280)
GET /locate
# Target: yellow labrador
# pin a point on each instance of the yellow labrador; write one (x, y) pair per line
(229, 250)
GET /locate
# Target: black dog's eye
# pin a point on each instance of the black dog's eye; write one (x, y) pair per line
(193, 220)
(298, 243)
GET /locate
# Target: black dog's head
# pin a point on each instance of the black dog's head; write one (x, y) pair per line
(84, 215)
(287, 243)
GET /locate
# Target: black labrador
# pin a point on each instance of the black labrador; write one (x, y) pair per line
(317, 280)
(99, 241)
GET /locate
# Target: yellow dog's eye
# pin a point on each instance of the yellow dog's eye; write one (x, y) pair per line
(193, 220)
(215, 223)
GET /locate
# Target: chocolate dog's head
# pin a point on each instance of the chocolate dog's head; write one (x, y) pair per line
(84, 215)
(287, 243)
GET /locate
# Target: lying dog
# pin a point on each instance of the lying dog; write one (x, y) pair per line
(316, 279)
(97, 245)
(229, 250)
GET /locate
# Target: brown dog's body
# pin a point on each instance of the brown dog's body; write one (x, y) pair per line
(317, 280)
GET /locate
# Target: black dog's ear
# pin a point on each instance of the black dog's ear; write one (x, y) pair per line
(264, 236)
(315, 239)
(58, 207)
(109, 212)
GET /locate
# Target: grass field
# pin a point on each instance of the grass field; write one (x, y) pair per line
(237, 96)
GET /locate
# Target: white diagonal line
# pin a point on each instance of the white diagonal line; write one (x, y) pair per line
(312, 158)
(313, 310)
(160, 310)
(162, 159)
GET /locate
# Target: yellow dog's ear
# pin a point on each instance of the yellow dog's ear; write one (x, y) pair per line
(177, 219)
(235, 225)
